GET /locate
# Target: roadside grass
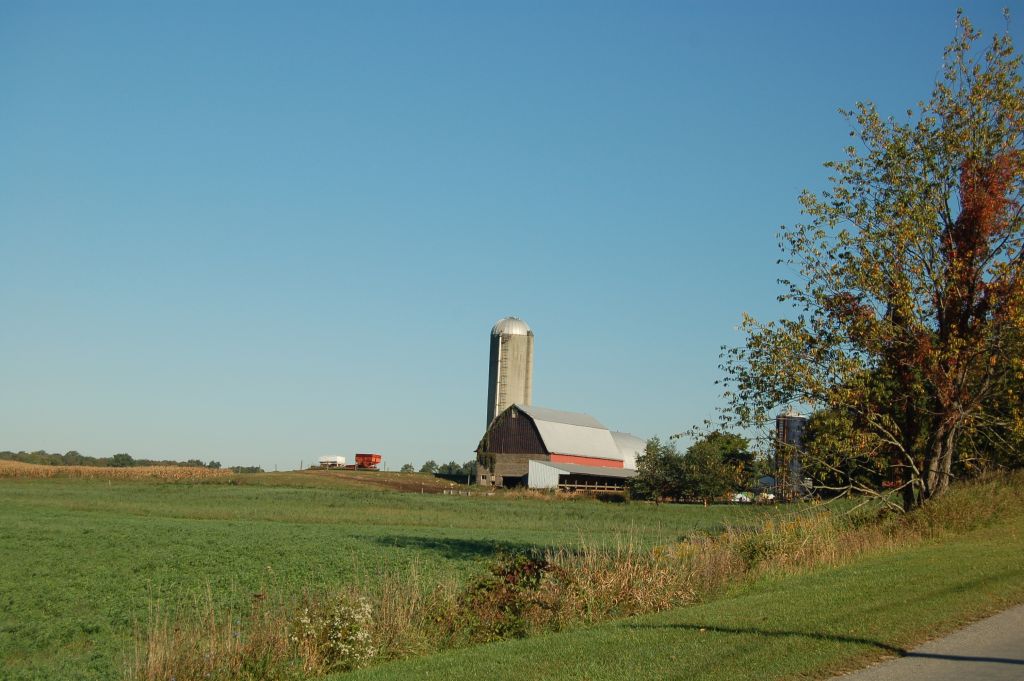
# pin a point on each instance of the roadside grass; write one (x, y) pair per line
(88, 564)
(807, 625)
(85, 560)
(563, 588)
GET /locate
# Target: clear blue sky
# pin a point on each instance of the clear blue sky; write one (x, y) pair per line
(265, 232)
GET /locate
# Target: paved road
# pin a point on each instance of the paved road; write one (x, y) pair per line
(989, 650)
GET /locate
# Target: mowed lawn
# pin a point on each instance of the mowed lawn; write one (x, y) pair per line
(84, 561)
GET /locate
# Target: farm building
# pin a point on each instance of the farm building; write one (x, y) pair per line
(510, 371)
(544, 448)
(574, 477)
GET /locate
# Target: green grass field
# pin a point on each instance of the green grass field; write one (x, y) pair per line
(84, 560)
(803, 626)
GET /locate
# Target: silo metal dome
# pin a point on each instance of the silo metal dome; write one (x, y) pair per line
(511, 326)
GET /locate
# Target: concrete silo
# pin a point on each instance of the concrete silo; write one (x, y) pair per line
(510, 378)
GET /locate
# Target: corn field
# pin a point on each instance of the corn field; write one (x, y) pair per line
(15, 469)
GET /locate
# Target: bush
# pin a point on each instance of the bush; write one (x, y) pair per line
(334, 635)
(499, 604)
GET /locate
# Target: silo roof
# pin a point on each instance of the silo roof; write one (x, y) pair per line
(511, 326)
(791, 413)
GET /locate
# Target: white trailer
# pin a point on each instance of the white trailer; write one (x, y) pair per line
(332, 462)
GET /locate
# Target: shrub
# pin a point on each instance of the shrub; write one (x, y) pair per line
(612, 497)
(499, 605)
(334, 635)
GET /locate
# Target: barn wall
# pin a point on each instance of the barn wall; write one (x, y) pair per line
(543, 476)
(513, 433)
(586, 460)
(507, 466)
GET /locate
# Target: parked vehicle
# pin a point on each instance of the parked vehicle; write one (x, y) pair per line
(364, 462)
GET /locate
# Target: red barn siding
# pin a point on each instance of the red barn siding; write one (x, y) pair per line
(585, 460)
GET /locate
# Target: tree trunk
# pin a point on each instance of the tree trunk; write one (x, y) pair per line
(939, 459)
(909, 498)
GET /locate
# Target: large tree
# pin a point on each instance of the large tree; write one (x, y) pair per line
(715, 464)
(711, 467)
(657, 472)
(908, 288)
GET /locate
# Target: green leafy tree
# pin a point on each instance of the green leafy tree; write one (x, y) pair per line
(657, 472)
(122, 460)
(213, 464)
(908, 292)
(839, 455)
(730, 455)
(407, 468)
(704, 472)
(429, 467)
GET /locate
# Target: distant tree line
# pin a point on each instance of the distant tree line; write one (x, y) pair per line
(122, 460)
(448, 469)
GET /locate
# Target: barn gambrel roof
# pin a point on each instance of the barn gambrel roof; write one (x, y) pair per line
(566, 432)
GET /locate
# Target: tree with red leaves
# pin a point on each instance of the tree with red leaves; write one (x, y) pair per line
(909, 292)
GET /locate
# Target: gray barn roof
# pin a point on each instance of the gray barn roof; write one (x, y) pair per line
(565, 432)
(630, 446)
(629, 442)
(555, 416)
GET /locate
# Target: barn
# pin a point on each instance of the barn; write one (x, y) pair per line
(545, 448)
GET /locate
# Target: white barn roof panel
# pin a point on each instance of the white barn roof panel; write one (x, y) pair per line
(566, 432)
(630, 447)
